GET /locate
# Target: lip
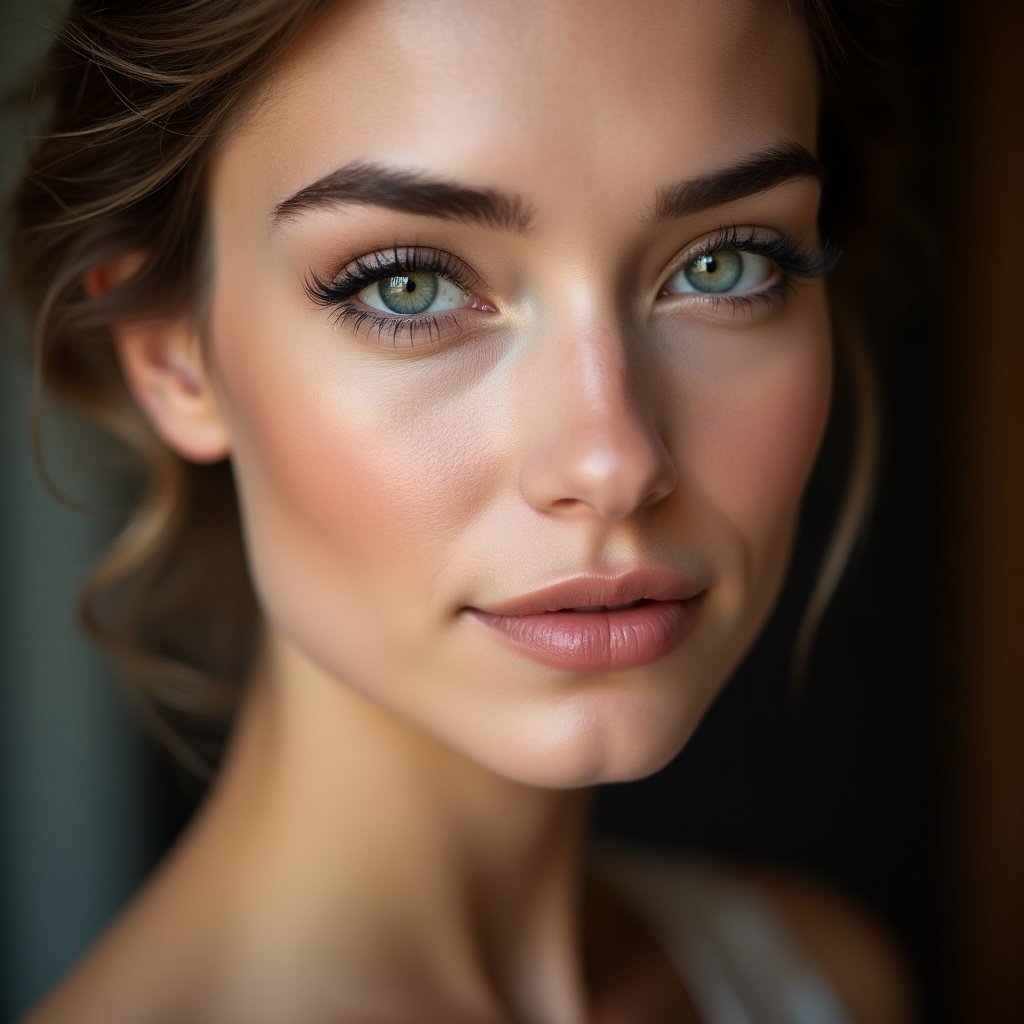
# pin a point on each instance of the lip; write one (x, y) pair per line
(543, 625)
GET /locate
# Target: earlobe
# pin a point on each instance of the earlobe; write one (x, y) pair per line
(163, 366)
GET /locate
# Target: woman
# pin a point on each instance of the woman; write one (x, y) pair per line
(507, 327)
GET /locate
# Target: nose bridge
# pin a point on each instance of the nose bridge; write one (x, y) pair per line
(595, 442)
(598, 394)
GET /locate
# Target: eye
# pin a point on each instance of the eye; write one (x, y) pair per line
(722, 271)
(412, 294)
(408, 294)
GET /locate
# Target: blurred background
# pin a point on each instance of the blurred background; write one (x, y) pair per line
(896, 773)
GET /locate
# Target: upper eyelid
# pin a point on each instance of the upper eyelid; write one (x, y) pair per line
(746, 238)
(726, 237)
(411, 258)
(795, 257)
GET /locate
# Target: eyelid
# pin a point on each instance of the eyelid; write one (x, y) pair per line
(792, 259)
(340, 293)
(364, 270)
(795, 259)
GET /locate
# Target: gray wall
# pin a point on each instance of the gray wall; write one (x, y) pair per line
(74, 816)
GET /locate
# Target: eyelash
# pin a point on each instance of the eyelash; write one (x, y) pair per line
(337, 294)
(793, 262)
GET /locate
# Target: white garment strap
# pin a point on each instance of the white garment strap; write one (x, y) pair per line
(735, 955)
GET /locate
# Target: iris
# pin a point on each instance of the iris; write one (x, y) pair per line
(715, 271)
(408, 293)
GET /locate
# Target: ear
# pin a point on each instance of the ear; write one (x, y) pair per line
(163, 365)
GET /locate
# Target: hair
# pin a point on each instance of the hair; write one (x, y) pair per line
(132, 100)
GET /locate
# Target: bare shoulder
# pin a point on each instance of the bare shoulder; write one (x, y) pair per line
(151, 963)
(117, 983)
(869, 970)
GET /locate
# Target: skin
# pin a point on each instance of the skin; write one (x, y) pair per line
(556, 437)
(398, 831)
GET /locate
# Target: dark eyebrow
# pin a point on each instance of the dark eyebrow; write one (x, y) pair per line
(756, 173)
(409, 192)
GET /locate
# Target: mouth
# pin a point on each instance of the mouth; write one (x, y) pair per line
(591, 593)
(607, 607)
(593, 623)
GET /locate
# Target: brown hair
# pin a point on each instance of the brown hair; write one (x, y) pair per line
(134, 96)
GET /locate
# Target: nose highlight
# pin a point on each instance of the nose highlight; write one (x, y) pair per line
(598, 452)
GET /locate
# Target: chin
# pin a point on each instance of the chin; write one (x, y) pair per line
(600, 738)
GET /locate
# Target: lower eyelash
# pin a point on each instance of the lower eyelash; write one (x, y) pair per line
(337, 294)
(793, 263)
(748, 302)
(396, 327)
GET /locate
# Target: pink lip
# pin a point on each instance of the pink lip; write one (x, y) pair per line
(542, 625)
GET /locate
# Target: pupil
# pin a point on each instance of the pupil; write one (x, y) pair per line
(715, 271)
(409, 294)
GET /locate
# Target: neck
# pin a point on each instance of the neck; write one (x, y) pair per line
(369, 846)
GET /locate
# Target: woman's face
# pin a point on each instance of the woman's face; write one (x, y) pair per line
(508, 296)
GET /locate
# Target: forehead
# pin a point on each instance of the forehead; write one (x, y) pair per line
(536, 95)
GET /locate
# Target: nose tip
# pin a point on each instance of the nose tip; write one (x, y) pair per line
(608, 461)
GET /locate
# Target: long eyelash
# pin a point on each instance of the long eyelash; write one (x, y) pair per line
(367, 270)
(334, 294)
(396, 327)
(792, 260)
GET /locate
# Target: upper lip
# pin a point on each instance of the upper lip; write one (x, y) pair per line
(591, 591)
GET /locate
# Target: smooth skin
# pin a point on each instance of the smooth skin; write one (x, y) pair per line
(398, 833)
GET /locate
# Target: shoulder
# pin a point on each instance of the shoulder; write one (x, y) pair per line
(744, 911)
(150, 964)
(864, 963)
(114, 986)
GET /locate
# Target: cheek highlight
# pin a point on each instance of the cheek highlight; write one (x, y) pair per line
(356, 485)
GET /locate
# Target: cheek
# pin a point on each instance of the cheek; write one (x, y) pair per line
(756, 422)
(354, 474)
(761, 455)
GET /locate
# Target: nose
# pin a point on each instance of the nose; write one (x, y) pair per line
(595, 445)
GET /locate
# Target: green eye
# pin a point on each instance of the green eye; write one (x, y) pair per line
(408, 293)
(715, 272)
(722, 271)
(413, 293)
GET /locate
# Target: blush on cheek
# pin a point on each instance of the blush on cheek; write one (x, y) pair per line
(782, 425)
(351, 484)
(324, 526)
(761, 440)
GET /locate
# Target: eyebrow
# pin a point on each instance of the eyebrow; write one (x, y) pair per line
(413, 192)
(409, 192)
(755, 173)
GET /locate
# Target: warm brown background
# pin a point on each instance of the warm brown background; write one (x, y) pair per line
(985, 598)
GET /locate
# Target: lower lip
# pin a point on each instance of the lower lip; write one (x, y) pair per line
(598, 641)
